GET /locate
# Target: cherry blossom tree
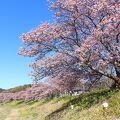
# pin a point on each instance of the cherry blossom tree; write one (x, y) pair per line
(40, 91)
(82, 43)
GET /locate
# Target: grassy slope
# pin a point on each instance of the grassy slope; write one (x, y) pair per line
(86, 107)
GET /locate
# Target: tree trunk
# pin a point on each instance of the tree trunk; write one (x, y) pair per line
(118, 73)
(116, 79)
(116, 83)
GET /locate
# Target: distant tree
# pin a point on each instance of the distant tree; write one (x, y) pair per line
(1, 90)
(83, 43)
(18, 88)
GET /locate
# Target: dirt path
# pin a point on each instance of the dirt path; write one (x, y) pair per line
(14, 115)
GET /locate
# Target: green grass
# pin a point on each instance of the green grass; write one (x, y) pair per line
(86, 107)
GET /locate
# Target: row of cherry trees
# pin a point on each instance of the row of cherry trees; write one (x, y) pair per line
(33, 93)
(82, 44)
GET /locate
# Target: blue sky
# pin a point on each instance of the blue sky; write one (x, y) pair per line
(17, 17)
